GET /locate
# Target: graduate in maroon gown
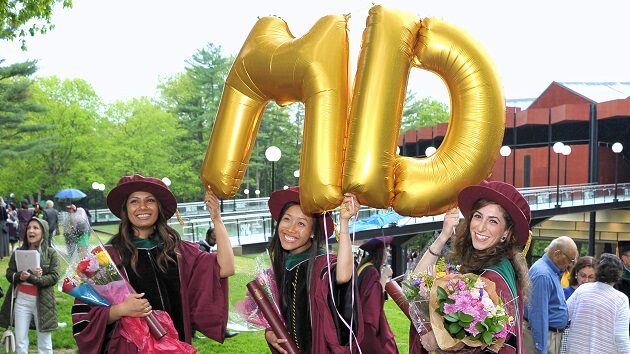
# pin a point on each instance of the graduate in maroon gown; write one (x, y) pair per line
(317, 294)
(168, 273)
(489, 242)
(372, 273)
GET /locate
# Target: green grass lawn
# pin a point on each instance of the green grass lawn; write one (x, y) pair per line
(245, 342)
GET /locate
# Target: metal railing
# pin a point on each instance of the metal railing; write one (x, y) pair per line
(249, 221)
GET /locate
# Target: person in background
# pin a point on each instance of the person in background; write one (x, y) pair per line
(24, 214)
(600, 314)
(623, 284)
(52, 217)
(38, 212)
(12, 226)
(306, 283)
(76, 228)
(489, 242)
(372, 274)
(4, 230)
(546, 315)
(582, 272)
(167, 273)
(35, 295)
(209, 242)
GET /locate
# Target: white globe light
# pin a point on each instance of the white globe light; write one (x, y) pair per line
(505, 151)
(285, 187)
(166, 181)
(246, 191)
(430, 151)
(397, 150)
(95, 185)
(101, 187)
(557, 147)
(296, 173)
(273, 153)
(566, 151)
(257, 191)
(617, 148)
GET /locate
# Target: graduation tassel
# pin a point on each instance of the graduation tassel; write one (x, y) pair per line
(179, 218)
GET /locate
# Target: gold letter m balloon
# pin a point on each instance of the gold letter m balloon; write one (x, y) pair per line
(274, 65)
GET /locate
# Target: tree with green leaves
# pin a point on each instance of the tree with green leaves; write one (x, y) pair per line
(141, 137)
(422, 113)
(16, 106)
(70, 113)
(20, 18)
(194, 97)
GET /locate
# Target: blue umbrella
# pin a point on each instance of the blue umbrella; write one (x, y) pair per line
(70, 193)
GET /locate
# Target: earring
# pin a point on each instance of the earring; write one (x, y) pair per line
(503, 238)
(312, 236)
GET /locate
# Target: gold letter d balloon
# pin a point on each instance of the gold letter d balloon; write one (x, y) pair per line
(354, 148)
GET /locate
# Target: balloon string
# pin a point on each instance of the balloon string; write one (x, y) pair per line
(353, 336)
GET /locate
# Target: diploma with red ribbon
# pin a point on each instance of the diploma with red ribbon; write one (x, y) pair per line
(272, 317)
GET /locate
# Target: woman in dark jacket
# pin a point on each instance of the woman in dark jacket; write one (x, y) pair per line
(24, 214)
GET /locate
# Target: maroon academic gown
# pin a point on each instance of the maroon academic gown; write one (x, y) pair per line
(324, 337)
(378, 337)
(204, 297)
(503, 289)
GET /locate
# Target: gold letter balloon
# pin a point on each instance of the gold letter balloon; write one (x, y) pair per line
(272, 64)
(353, 148)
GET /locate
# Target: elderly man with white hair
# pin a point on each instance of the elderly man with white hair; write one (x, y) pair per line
(546, 314)
(52, 218)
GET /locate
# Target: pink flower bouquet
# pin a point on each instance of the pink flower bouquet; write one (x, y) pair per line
(466, 311)
(92, 277)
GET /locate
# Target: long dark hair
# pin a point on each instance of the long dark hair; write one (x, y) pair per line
(375, 257)
(472, 260)
(278, 254)
(165, 237)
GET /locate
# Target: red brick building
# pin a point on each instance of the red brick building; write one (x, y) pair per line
(588, 117)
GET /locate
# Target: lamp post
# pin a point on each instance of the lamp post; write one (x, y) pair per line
(557, 148)
(566, 151)
(273, 154)
(296, 174)
(257, 192)
(97, 187)
(430, 151)
(616, 148)
(505, 151)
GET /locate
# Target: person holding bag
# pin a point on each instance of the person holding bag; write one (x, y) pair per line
(34, 291)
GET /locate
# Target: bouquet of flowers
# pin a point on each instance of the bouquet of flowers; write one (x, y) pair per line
(93, 277)
(417, 289)
(467, 311)
(464, 311)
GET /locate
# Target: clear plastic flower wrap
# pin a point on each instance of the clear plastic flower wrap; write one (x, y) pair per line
(248, 311)
(92, 277)
(464, 311)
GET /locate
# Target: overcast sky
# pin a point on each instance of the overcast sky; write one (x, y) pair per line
(123, 47)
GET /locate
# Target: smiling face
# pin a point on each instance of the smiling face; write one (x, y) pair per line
(295, 230)
(34, 234)
(142, 211)
(487, 226)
